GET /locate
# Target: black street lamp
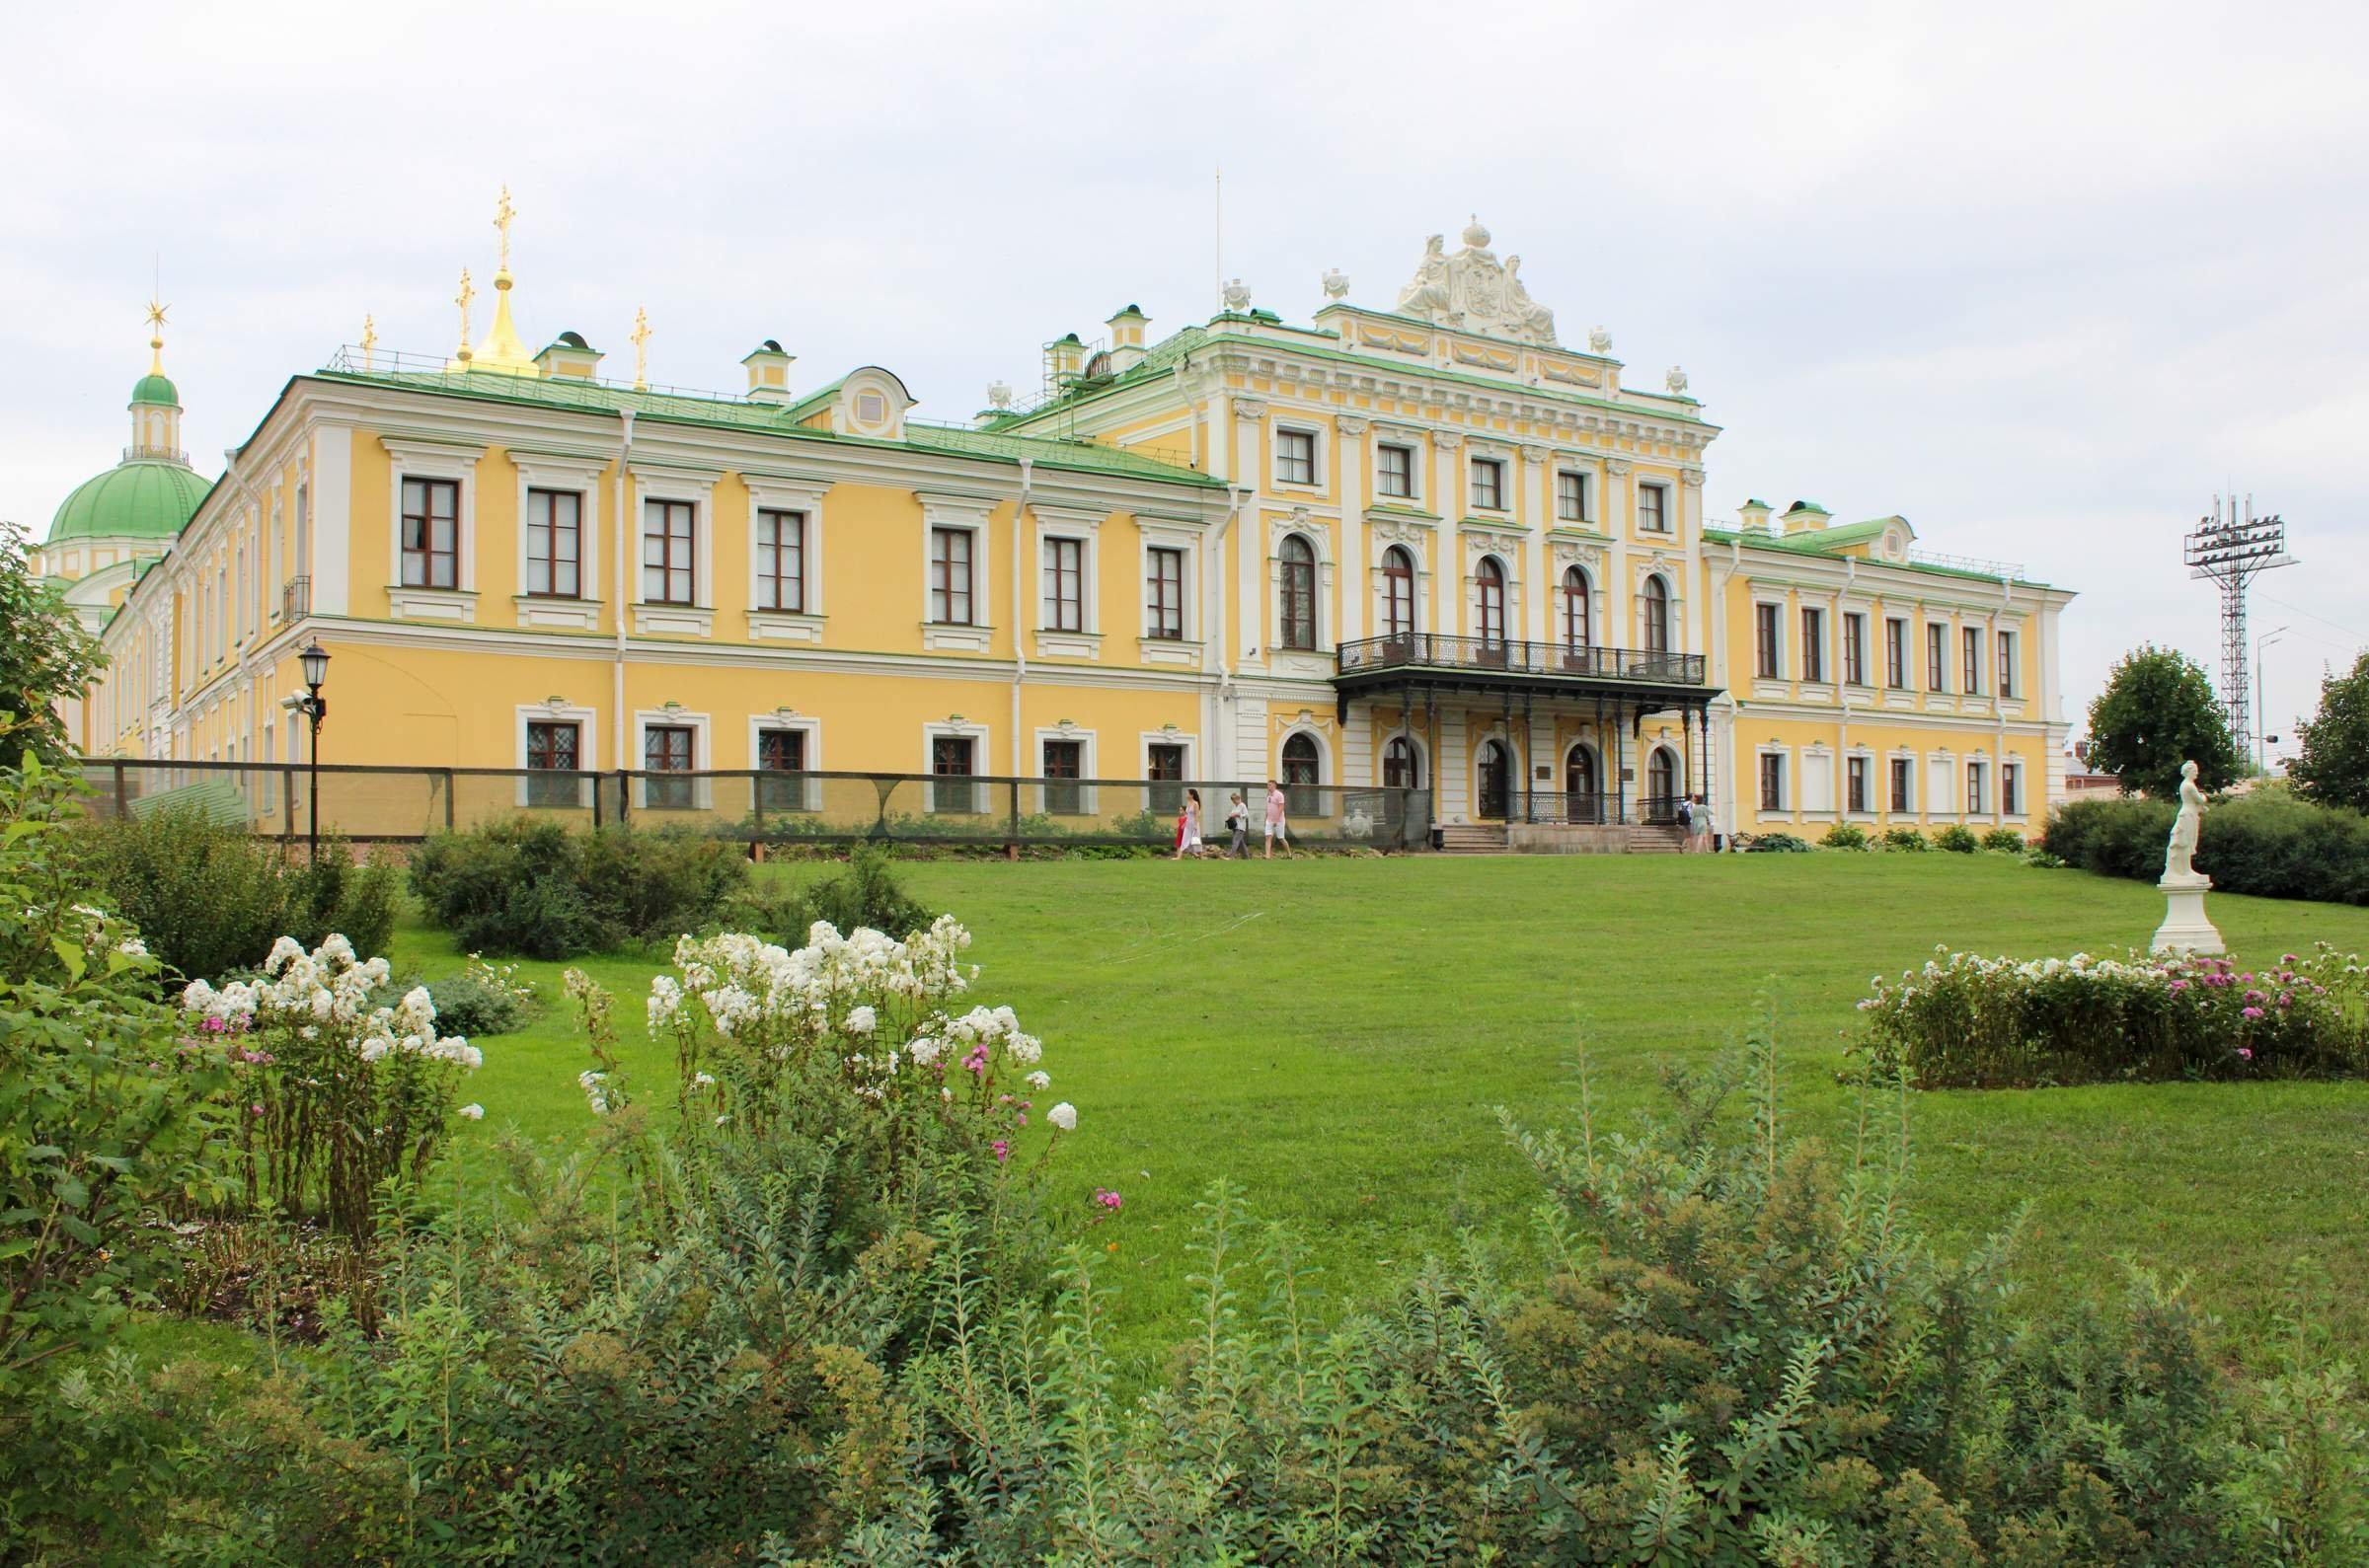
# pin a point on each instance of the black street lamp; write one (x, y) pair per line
(315, 662)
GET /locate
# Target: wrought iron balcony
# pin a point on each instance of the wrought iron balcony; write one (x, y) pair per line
(1429, 652)
(296, 598)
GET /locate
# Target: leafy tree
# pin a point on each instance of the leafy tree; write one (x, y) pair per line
(44, 655)
(2157, 711)
(2333, 768)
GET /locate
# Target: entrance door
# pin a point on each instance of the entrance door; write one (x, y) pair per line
(1495, 779)
(1580, 803)
(1661, 786)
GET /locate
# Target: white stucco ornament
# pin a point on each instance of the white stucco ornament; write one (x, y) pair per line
(2185, 927)
(1337, 283)
(1599, 340)
(1237, 295)
(1676, 379)
(1473, 291)
(999, 395)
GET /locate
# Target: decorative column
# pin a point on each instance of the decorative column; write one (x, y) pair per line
(1619, 521)
(1354, 463)
(1447, 558)
(1249, 579)
(1538, 515)
(1690, 540)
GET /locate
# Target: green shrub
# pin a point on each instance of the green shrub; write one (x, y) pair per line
(865, 893)
(2004, 839)
(1846, 836)
(2041, 860)
(533, 888)
(210, 898)
(482, 999)
(1957, 838)
(1975, 1022)
(1908, 841)
(2268, 844)
(1777, 844)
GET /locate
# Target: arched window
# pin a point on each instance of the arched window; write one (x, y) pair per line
(1578, 630)
(1402, 767)
(1398, 593)
(1490, 579)
(1494, 769)
(1661, 786)
(1657, 615)
(1582, 796)
(1299, 593)
(1303, 769)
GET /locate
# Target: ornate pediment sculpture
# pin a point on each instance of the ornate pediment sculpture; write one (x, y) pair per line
(1473, 291)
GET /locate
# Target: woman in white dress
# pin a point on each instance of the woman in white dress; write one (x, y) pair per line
(1190, 842)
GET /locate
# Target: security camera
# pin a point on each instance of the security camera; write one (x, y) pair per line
(291, 703)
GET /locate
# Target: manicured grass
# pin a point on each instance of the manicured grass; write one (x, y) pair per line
(1334, 1034)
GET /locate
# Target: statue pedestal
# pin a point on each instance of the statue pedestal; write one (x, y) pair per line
(2186, 930)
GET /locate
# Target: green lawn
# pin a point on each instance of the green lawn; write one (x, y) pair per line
(1334, 1035)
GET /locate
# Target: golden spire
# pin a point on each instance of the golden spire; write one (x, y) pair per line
(369, 339)
(467, 292)
(641, 338)
(156, 335)
(502, 350)
(504, 212)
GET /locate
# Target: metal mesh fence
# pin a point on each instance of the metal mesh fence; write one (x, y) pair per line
(395, 804)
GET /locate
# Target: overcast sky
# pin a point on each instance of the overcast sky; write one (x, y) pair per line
(2040, 278)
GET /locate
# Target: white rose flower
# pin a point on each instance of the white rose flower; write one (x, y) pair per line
(1063, 1116)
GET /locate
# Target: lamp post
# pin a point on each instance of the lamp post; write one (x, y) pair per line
(2261, 714)
(315, 662)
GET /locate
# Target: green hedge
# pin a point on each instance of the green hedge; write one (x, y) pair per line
(535, 889)
(2268, 844)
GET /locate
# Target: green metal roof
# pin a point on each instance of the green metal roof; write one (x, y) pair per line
(677, 408)
(156, 390)
(1828, 543)
(143, 498)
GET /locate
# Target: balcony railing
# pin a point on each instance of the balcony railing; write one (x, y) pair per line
(1588, 809)
(1423, 651)
(296, 598)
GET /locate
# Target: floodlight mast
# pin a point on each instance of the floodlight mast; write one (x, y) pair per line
(2231, 547)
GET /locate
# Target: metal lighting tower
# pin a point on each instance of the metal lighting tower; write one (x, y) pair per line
(2231, 548)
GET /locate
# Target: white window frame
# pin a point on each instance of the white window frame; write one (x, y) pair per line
(1588, 495)
(1089, 767)
(783, 492)
(1908, 655)
(698, 618)
(1867, 651)
(1315, 455)
(1878, 783)
(1785, 781)
(409, 459)
(1414, 449)
(1824, 643)
(1421, 586)
(1669, 528)
(979, 736)
(1083, 528)
(1916, 785)
(1183, 650)
(1319, 543)
(969, 514)
(1191, 743)
(1978, 800)
(1780, 647)
(2007, 654)
(1503, 467)
(581, 473)
(812, 728)
(2022, 810)
(587, 734)
(702, 754)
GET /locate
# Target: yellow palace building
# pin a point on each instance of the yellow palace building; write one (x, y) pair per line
(1427, 547)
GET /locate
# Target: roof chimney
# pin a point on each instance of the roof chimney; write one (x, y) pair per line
(1127, 338)
(569, 358)
(1755, 513)
(1067, 356)
(768, 372)
(1804, 517)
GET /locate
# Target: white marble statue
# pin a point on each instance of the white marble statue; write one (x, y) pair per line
(1529, 317)
(1428, 292)
(1676, 380)
(1337, 283)
(2180, 854)
(1599, 340)
(1238, 295)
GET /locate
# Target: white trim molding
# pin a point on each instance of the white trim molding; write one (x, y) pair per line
(431, 459)
(663, 482)
(970, 513)
(703, 754)
(789, 492)
(580, 473)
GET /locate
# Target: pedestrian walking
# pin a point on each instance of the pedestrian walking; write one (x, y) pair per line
(1686, 825)
(1277, 829)
(1188, 826)
(1706, 826)
(1238, 819)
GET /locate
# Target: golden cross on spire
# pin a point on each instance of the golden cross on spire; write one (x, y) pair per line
(467, 292)
(502, 214)
(369, 339)
(156, 335)
(641, 338)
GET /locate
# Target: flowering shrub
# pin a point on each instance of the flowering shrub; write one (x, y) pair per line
(2004, 839)
(340, 1093)
(1844, 836)
(1965, 1021)
(1909, 841)
(1957, 838)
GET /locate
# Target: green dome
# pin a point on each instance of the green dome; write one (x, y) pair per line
(157, 390)
(145, 498)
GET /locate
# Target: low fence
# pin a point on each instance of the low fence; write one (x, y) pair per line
(375, 804)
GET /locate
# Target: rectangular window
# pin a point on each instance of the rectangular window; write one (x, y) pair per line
(1571, 497)
(431, 533)
(1772, 782)
(1902, 771)
(1489, 484)
(949, 575)
(1295, 457)
(1654, 508)
(1813, 645)
(1064, 763)
(1164, 593)
(2007, 664)
(554, 544)
(781, 752)
(1974, 783)
(1858, 787)
(2011, 788)
(1164, 765)
(1855, 649)
(1937, 657)
(782, 562)
(1764, 641)
(1895, 655)
(666, 551)
(667, 749)
(950, 792)
(1064, 586)
(1398, 471)
(1971, 665)
(551, 747)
